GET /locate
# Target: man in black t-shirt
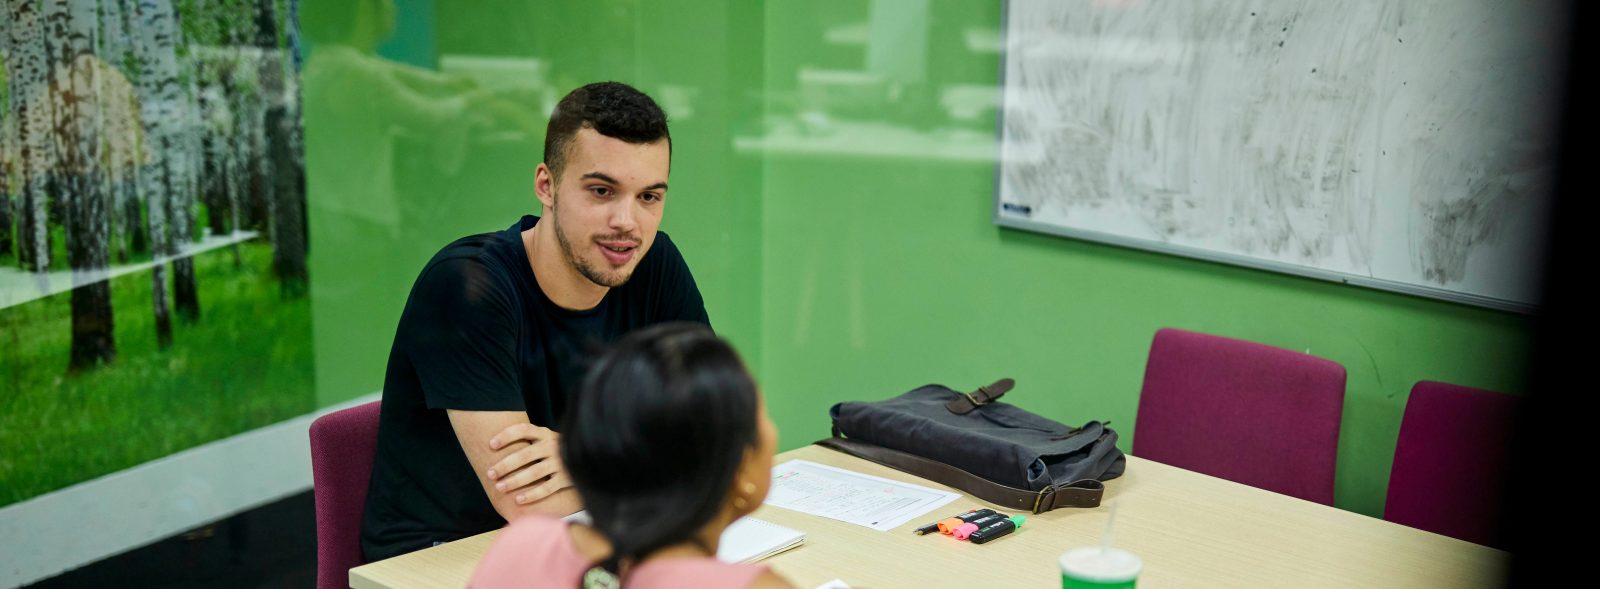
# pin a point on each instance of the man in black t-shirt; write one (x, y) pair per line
(495, 333)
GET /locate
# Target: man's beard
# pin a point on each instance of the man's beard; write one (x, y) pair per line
(597, 276)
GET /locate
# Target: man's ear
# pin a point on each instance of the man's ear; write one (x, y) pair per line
(544, 186)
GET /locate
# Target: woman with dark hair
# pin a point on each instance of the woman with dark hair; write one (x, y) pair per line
(667, 442)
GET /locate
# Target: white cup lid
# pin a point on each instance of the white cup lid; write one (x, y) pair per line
(1103, 565)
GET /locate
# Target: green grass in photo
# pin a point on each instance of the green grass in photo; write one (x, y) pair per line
(246, 363)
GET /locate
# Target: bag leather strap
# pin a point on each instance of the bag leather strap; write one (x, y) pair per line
(1083, 493)
(983, 396)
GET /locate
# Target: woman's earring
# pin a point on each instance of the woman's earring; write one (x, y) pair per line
(745, 488)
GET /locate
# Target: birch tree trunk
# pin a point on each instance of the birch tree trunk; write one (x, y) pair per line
(287, 208)
(155, 50)
(181, 207)
(7, 152)
(121, 125)
(75, 93)
(27, 73)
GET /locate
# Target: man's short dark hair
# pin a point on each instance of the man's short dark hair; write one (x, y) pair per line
(613, 109)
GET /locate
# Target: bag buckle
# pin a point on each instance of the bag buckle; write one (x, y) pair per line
(1038, 498)
(983, 396)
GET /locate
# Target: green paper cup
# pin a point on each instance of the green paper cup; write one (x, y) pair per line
(1099, 568)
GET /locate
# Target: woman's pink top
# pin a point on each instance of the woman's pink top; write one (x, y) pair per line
(537, 551)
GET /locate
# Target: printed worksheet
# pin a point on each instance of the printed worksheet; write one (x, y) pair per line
(835, 493)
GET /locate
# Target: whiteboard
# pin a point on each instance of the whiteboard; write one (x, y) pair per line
(1401, 145)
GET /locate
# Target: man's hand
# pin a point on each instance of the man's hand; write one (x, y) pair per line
(525, 459)
(533, 472)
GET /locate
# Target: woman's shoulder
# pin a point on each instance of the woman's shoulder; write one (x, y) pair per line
(769, 580)
(700, 572)
(531, 545)
(533, 527)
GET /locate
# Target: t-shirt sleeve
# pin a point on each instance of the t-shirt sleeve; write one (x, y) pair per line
(679, 296)
(460, 332)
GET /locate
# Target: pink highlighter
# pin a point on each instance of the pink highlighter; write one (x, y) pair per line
(965, 530)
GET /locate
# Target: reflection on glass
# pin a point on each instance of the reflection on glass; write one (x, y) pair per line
(883, 79)
(396, 155)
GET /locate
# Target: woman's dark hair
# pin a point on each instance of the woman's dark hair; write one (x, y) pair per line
(656, 435)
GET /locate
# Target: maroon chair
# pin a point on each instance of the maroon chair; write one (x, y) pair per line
(1450, 462)
(343, 444)
(1250, 413)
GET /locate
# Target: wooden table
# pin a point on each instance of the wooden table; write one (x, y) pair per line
(1190, 529)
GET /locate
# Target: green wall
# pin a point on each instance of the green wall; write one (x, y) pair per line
(842, 274)
(884, 273)
(403, 160)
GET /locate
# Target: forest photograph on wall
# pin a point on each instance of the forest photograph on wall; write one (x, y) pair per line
(153, 283)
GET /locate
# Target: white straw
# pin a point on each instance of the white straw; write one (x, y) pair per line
(1105, 539)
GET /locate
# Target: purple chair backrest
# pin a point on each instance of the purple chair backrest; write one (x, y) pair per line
(1247, 412)
(343, 444)
(1450, 461)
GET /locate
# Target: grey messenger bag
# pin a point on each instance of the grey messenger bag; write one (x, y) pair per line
(995, 451)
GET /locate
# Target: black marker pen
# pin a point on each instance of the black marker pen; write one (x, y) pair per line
(964, 531)
(996, 530)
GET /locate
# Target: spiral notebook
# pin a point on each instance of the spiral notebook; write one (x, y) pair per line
(749, 539)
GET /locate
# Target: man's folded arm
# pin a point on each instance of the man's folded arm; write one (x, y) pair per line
(527, 473)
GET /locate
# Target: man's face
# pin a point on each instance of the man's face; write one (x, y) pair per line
(607, 204)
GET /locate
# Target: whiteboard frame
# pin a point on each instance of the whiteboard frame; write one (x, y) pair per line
(1000, 218)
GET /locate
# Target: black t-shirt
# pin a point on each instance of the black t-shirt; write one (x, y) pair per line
(478, 334)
